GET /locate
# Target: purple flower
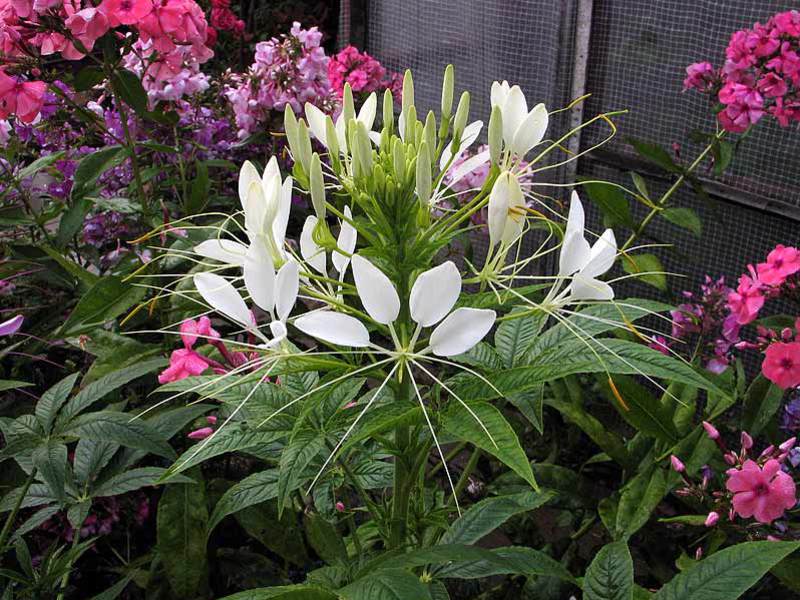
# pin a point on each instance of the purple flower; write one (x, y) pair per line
(11, 326)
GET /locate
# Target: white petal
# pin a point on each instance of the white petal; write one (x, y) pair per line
(311, 253)
(223, 297)
(334, 328)
(316, 122)
(271, 187)
(461, 330)
(401, 126)
(223, 250)
(367, 113)
(497, 211)
(602, 255)
(278, 331)
(434, 294)
(468, 137)
(468, 166)
(585, 288)
(281, 220)
(376, 291)
(346, 241)
(575, 218)
(499, 93)
(287, 285)
(247, 175)
(514, 111)
(574, 254)
(259, 276)
(531, 130)
(515, 219)
(255, 209)
(341, 133)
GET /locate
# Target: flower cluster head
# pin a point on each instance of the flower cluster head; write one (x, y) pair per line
(288, 71)
(761, 491)
(169, 76)
(761, 74)
(363, 72)
(705, 321)
(224, 19)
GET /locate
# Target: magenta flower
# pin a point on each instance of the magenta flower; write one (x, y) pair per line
(200, 434)
(782, 262)
(782, 364)
(747, 300)
(191, 330)
(764, 493)
(11, 326)
(183, 363)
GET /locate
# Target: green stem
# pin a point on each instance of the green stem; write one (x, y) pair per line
(659, 205)
(76, 538)
(403, 478)
(468, 470)
(12, 516)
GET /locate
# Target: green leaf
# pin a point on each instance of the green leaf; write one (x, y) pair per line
(612, 204)
(304, 447)
(723, 155)
(487, 515)
(93, 165)
(258, 487)
(72, 220)
(531, 405)
(282, 536)
(685, 218)
(128, 87)
(182, 519)
(134, 479)
(123, 429)
(472, 426)
(288, 592)
(99, 389)
(87, 78)
(77, 513)
(12, 384)
(647, 268)
(198, 198)
(386, 584)
(761, 402)
(105, 300)
(49, 404)
(51, 461)
(39, 164)
(323, 537)
(639, 498)
(727, 574)
(640, 184)
(90, 458)
(610, 575)
(514, 335)
(655, 154)
(642, 409)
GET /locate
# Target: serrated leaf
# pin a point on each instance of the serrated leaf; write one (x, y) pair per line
(642, 409)
(386, 584)
(610, 574)
(182, 519)
(638, 500)
(287, 592)
(646, 268)
(472, 426)
(305, 446)
(77, 513)
(135, 479)
(514, 335)
(323, 537)
(51, 461)
(252, 490)
(728, 573)
(51, 401)
(685, 218)
(90, 458)
(124, 429)
(104, 301)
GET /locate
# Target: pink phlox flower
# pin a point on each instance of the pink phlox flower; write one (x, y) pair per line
(747, 300)
(183, 363)
(782, 364)
(782, 262)
(21, 98)
(761, 492)
(126, 12)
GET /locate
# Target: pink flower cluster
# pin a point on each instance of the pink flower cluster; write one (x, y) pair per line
(290, 70)
(71, 27)
(761, 74)
(763, 281)
(363, 72)
(166, 77)
(224, 19)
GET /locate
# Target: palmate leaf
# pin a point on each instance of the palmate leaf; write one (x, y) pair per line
(503, 443)
(615, 357)
(610, 575)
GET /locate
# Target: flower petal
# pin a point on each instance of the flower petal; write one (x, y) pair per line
(11, 326)
(311, 253)
(586, 288)
(367, 113)
(223, 297)
(602, 255)
(575, 250)
(531, 131)
(226, 251)
(346, 241)
(334, 328)
(470, 134)
(461, 330)
(255, 209)
(515, 218)
(376, 291)
(316, 123)
(514, 111)
(434, 294)
(287, 285)
(247, 175)
(259, 276)
(498, 207)
(499, 93)
(281, 220)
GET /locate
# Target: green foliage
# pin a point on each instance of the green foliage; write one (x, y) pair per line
(610, 576)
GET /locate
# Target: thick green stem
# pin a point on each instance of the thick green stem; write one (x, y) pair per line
(403, 478)
(12, 516)
(661, 202)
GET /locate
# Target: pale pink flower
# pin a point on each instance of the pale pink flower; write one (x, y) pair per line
(761, 492)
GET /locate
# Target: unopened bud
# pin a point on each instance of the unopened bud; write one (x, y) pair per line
(447, 91)
(677, 465)
(211, 420)
(711, 431)
(424, 176)
(340, 507)
(746, 440)
(462, 114)
(495, 135)
(317, 184)
(730, 458)
(698, 554)
(712, 519)
(767, 451)
(788, 444)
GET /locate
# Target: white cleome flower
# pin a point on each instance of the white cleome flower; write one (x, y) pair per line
(432, 298)
(316, 122)
(584, 262)
(274, 293)
(522, 129)
(315, 255)
(506, 210)
(266, 201)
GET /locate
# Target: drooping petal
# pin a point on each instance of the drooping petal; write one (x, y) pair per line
(287, 285)
(346, 241)
(247, 175)
(271, 184)
(461, 330)
(602, 255)
(376, 291)
(223, 297)
(434, 294)
(497, 211)
(531, 131)
(334, 328)
(367, 113)
(575, 250)
(311, 253)
(255, 210)
(585, 288)
(223, 250)
(316, 123)
(278, 331)
(468, 166)
(576, 217)
(259, 276)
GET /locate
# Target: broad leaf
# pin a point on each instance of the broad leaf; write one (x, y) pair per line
(646, 268)
(685, 218)
(48, 405)
(610, 575)
(386, 584)
(639, 498)
(641, 409)
(51, 461)
(105, 300)
(761, 401)
(288, 592)
(124, 429)
(295, 458)
(135, 479)
(514, 335)
(252, 490)
(326, 541)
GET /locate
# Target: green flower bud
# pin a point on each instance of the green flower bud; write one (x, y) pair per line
(408, 92)
(363, 149)
(399, 160)
(333, 141)
(462, 114)
(348, 105)
(424, 177)
(410, 125)
(317, 184)
(447, 91)
(388, 111)
(290, 127)
(495, 135)
(303, 152)
(429, 134)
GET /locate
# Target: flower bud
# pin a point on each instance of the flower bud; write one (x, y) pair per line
(495, 135)
(712, 519)
(788, 444)
(211, 420)
(388, 111)
(348, 105)
(429, 135)
(711, 431)
(767, 451)
(408, 92)
(462, 114)
(200, 434)
(746, 440)
(424, 177)
(332, 139)
(730, 458)
(409, 125)
(303, 152)
(340, 507)
(447, 92)
(290, 127)
(677, 465)
(399, 160)
(317, 184)
(698, 554)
